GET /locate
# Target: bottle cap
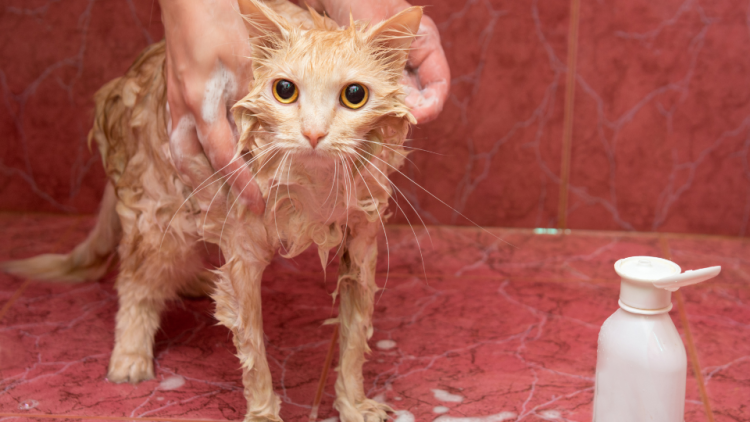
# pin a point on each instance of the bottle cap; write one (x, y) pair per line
(647, 283)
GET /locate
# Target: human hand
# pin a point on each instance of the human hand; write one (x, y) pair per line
(208, 70)
(427, 76)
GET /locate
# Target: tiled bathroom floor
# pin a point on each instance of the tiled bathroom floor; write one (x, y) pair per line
(490, 329)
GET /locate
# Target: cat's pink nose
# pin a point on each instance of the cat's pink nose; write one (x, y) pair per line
(314, 137)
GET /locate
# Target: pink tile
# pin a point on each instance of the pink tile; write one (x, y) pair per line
(661, 118)
(59, 55)
(498, 137)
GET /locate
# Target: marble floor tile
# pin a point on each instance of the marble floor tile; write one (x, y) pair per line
(500, 325)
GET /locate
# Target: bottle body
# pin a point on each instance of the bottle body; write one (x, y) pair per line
(641, 370)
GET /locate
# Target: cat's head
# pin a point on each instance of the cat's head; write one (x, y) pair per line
(326, 92)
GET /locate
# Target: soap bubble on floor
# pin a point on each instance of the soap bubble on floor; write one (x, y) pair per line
(443, 395)
(550, 415)
(440, 409)
(386, 344)
(404, 416)
(172, 383)
(28, 404)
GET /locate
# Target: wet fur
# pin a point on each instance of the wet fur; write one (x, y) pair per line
(334, 196)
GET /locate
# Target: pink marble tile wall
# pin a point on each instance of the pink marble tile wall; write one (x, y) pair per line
(54, 55)
(662, 117)
(661, 124)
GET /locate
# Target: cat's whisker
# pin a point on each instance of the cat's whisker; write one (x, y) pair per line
(334, 184)
(444, 203)
(386, 146)
(199, 188)
(382, 224)
(405, 198)
(288, 178)
(411, 226)
(277, 183)
(229, 177)
(333, 181)
(346, 211)
(221, 235)
(400, 146)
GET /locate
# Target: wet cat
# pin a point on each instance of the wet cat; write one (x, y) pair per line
(322, 127)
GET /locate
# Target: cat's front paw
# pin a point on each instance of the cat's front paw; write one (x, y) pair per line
(130, 367)
(366, 411)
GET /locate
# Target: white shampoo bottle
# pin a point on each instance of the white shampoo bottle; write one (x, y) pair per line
(641, 367)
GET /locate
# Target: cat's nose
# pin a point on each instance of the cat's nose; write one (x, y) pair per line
(314, 136)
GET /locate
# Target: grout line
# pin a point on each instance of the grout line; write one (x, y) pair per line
(324, 375)
(27, 282)
(504, 229)
(106, 418)
(691, 349)
(577, 232)
(570, 92)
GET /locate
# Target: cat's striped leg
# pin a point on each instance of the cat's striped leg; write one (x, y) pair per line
(238, 307)
(356, 287)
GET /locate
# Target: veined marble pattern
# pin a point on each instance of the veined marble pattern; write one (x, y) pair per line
(500, 326)
(661, 111)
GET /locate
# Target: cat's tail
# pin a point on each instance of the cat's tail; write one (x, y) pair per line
(88, 261)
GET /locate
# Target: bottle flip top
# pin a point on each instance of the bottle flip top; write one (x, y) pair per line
(647, 283)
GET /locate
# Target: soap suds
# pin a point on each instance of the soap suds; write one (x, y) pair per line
(172, 383)
(404, 416)
(386, 344)
(219, 89)
(180, 136)
(440, 409)
(443, 395)
(550, 414)
(380, 398)
(491, 418)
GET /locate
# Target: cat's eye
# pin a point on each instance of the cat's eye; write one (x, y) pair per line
(285, 91)
(354, 96)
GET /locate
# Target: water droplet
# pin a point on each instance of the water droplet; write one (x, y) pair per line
(28, 404)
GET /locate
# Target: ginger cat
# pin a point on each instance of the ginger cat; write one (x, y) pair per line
(321, 128)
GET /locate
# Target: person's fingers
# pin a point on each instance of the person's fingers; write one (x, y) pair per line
(426, 104)
(216, 139)
(429, 89)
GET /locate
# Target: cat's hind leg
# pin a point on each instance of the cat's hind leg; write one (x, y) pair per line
(151, 273)
(356, 287)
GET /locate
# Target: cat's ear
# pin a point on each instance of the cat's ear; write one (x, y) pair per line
(261, 20)
(398, 32)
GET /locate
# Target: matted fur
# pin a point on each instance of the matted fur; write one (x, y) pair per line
(334, 196)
